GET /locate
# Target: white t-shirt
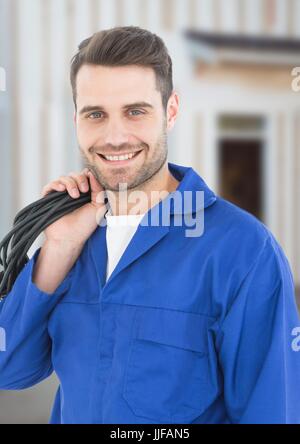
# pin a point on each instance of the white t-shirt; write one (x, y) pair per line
(119, 232)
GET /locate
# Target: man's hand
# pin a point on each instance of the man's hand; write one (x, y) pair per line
(77, 226)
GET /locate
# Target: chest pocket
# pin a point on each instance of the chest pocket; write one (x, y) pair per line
(167, 372)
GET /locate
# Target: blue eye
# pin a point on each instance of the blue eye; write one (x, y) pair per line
(93, 114)
(136, 110)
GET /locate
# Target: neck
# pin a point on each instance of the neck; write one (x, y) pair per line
(151, 192)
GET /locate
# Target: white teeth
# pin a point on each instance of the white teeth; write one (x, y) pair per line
(123, 157)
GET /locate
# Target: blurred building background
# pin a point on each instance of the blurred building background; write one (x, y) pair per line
(238, 125)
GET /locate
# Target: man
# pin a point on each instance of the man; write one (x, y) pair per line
(150, 322)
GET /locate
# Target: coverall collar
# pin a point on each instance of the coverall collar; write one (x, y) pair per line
(189, 181)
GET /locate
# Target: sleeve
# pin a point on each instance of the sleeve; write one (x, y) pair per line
(25, 354)
(257, 344)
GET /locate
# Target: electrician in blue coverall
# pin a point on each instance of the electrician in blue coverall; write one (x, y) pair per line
(188, 328)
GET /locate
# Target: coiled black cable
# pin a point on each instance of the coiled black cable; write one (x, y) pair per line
(28, 224)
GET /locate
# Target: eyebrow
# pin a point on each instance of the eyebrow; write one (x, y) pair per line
(90, 108)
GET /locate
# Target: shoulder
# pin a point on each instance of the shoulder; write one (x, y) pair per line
(241, 238)
(249, 259)
(234, 224)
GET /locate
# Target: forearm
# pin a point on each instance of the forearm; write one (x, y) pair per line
(55, 260)
(24, 316)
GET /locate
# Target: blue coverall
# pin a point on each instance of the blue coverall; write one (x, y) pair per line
(187, 329)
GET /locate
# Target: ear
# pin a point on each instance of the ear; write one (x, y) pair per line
(172, 109)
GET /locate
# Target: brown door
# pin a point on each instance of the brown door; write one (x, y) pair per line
(240, 173)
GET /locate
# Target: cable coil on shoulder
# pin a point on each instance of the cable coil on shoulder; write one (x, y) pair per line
(28, 224)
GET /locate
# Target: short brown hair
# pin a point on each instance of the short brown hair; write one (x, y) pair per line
(126, 45)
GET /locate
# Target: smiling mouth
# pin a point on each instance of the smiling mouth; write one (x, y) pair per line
(121, 159)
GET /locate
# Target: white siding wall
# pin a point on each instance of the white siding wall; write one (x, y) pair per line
(6, 196)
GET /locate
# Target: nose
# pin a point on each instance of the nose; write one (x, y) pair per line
(115, 133)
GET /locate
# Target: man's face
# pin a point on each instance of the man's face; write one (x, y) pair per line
(120, 112)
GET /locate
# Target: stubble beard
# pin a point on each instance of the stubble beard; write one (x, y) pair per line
(144, 174)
